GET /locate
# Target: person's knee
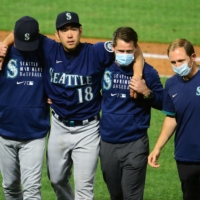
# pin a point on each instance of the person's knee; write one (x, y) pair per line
(31, 191)
(58, 176)
(11, 184)
(12, 188)
(55, 180)
(84, 182)
(116, 196)
(189, 189)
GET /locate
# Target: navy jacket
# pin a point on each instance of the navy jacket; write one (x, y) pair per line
(24, 113)
(125, 119)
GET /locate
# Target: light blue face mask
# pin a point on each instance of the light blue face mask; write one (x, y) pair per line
(182, 70)
(124, 59)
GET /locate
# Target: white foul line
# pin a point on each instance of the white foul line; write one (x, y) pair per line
(149, 55)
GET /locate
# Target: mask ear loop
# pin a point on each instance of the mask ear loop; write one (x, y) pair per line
(192, 61)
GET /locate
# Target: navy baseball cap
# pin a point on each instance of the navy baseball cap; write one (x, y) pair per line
(26, 34)
(67, 17)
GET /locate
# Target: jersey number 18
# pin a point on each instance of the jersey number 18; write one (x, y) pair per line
(85, 94)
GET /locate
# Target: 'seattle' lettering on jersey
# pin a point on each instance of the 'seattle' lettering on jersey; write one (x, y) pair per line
(69, 80)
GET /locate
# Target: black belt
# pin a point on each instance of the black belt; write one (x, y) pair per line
(74, 122)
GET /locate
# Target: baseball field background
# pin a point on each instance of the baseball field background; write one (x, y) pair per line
(157, 22)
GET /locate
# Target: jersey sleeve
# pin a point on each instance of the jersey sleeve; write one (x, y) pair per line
(168, 106)
(46, 45)
(103, 53)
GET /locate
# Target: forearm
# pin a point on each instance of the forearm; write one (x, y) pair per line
(138, 65)
(9, 40)
(168, 128)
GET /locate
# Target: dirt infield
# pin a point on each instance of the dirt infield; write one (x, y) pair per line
(161, 64)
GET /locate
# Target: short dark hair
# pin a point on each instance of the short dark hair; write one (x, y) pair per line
(126, 34)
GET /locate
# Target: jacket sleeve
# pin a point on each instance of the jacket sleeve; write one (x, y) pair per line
(154, 84)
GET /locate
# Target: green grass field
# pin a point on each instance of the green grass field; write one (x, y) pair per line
(154, 20)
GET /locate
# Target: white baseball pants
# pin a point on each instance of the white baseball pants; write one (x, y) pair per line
(21, 164)
(77, 146)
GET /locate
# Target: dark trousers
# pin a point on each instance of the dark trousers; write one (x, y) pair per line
(124, 168)
(189, 174)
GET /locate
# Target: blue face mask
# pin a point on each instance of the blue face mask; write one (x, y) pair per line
(124, 59)
(182, 70)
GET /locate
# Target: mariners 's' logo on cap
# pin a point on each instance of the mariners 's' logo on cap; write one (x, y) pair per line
(68, 16)
(108, 46)
(27, 36)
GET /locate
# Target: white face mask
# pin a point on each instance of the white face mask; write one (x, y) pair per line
(182, 70)
(124, 59)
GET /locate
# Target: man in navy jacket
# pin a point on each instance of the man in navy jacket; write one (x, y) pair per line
(124, 124)
(24, 114)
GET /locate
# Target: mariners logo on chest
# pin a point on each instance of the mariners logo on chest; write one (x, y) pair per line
(12, 70)
(115, 80)
(28, 69)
